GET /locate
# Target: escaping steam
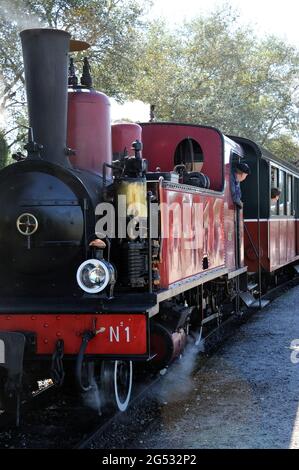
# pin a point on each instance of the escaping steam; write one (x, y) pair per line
(92, 398)
(177, 384)
(8, 12)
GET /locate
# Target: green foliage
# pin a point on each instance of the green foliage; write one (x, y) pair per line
(160, 77)
(111, 26)
(3, 151)
(215, 71)
(284, 147)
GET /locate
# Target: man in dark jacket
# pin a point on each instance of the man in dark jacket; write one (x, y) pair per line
(240, 171)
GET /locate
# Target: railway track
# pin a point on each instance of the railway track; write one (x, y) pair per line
(37, 398)
(55, 420)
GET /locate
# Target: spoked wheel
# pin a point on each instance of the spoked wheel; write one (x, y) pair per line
(116, 384)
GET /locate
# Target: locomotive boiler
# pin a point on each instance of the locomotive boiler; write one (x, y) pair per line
(48, 204)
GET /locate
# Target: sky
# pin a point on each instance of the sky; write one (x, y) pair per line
(267, 17)
(134, 111)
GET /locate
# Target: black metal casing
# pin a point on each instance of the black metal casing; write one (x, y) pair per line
(61, 198)
(45, 54)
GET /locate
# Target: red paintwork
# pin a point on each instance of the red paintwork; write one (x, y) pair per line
(159, 144)
(281, 234)
(49, 328)
(123, 135)
(278, 243)
(161, 140)
(200, 234)
(214, 225)
(250, 253)
(89, 129)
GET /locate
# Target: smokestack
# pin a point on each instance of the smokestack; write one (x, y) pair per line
(45, 53)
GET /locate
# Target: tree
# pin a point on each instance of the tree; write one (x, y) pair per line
(215, 71)
(111, 26)
(160, 72)
(284, 147)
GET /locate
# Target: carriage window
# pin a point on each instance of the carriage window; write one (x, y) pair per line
(282, 187)
(189, 153)
(274, 207)
(289, 195)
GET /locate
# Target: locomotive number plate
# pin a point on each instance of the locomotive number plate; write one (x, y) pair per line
(121, 334)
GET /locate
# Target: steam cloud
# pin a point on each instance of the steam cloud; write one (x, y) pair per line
(9, 13)
(178, 383)
(92, 398)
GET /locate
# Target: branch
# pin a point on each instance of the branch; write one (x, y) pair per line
(10, 130)
(18, 139)
(9, 86)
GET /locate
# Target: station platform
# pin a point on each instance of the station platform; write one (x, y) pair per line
(247, 393)
(245, 396)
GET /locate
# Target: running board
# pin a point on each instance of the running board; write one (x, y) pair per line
(257, 304)
(252, 285)
(247, 298)
(252, 302)
(210, 318)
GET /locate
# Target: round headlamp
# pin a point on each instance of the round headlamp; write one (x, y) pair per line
(95, 275)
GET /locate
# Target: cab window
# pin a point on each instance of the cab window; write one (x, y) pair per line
(189, 153)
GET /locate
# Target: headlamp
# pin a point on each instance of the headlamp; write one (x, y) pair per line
(95, 275)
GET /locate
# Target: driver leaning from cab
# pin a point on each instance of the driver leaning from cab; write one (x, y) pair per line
(240, 171)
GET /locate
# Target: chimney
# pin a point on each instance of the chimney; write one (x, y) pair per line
(45, 53)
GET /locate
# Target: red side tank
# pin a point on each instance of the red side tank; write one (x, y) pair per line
(89, 129)
(123, 135)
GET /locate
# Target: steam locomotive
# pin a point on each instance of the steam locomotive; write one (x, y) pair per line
(118, 243)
